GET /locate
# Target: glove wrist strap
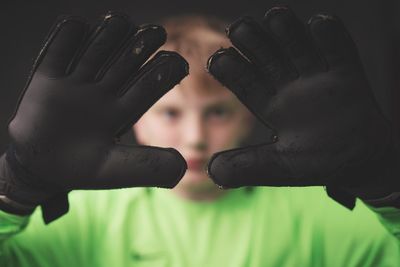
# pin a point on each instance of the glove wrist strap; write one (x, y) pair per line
(19, 196)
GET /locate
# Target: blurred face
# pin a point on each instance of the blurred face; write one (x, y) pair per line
(198, 117)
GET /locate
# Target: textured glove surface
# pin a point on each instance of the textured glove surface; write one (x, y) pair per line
(305, 82)
(87, 88)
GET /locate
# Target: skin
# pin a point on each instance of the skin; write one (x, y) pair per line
(198, 117)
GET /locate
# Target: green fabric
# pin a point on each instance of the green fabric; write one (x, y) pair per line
(153, 227)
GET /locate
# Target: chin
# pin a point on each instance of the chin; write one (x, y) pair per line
(198, 186)
(196, 176)
(197, 180)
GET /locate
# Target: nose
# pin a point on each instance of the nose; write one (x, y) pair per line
(194, 132)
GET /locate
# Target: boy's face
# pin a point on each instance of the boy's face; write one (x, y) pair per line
(198, 118)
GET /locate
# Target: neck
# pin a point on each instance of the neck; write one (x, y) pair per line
(199, 194)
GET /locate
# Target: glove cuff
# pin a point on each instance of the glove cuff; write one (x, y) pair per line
(14, 198)
(19, 196)
(391, 200)
(10, 206)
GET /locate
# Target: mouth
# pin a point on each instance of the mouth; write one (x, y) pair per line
(196, 164)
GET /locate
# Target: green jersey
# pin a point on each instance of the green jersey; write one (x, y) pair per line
(246, 227)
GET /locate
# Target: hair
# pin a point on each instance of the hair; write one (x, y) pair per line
(195, 37)
(179, 27)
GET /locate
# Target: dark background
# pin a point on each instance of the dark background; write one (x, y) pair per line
(373, 24)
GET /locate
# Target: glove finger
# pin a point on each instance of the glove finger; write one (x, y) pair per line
(296, 42)
(261, 49)
(62, 44)
(239, 76)
(132, 166)
(133, 55)
(156, 78)
(259, 165)
(105, 40)
(333, 41)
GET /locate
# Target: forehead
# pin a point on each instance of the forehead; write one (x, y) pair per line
(196, 43)
(197, 92)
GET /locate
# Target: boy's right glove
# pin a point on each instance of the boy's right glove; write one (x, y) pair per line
(86, 89)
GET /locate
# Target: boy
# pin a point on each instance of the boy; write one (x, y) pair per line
(197, 224)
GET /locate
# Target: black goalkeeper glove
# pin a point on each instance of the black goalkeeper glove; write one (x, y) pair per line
(87, 87)
(307, 84)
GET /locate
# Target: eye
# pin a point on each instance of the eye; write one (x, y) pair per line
(218, 113)
(170, 114)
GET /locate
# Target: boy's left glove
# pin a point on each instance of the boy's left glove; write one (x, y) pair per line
(307, 84)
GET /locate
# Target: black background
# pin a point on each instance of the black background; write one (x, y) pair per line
(373, 24)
